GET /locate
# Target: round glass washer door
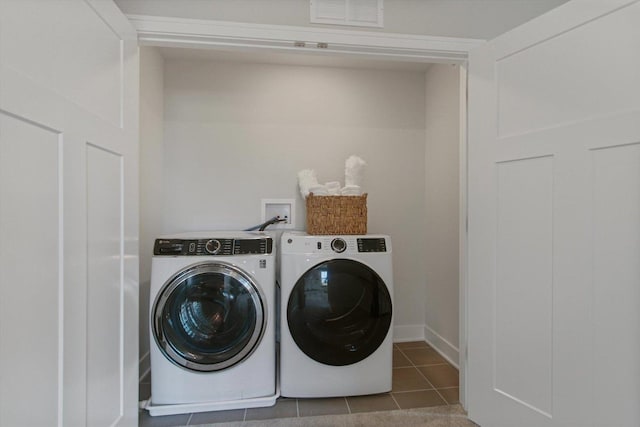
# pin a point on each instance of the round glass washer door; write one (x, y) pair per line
(339, 312)
(208, 317)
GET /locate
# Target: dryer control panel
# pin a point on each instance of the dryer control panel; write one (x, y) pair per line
(298, 243)
(212, 246)
(376, 244)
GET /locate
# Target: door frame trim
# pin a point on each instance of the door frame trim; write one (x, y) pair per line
(463, 230)
(199, 33)
(174, 32)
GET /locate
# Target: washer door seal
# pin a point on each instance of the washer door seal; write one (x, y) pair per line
(339, 312)
(208, 317)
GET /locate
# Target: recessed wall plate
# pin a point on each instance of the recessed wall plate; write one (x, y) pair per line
(282, 208)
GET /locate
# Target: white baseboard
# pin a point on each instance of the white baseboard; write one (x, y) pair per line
(144, 366)
(442, 346)
(408, 333)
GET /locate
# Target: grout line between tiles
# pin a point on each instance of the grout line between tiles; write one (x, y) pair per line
(439, 394)
(433, 364)
(405, 356)
(444, 362)
(412, 391)
(347, 402)
(394, 400)
(420, 372)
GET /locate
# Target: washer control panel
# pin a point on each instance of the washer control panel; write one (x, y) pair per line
(212, 246)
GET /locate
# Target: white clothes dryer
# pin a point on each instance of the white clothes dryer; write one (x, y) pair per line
(212, 322)
(336, 315)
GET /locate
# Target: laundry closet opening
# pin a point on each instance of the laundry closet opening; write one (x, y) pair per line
(221, 130)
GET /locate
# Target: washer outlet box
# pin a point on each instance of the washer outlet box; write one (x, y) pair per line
(283, 209)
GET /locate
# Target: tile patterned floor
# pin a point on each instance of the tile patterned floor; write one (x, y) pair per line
(421, 378)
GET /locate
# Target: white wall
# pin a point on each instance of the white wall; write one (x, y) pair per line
(442, 208)
(483, 19)
(236, 133)
(151, 179)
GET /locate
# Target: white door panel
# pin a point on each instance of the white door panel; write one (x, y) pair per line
(68, 214)
(31, 289)
(94, 80)
(616, 281)
(104, 285)
(524, 281)
(554, 234)
(533, 96)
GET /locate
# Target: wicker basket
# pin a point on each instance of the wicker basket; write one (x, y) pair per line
(336, 214)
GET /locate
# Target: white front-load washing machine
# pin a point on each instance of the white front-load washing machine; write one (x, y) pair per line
(212, 322)
(336, 315)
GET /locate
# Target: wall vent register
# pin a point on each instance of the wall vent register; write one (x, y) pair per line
(359, 13)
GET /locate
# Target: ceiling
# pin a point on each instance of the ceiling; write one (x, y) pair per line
(479, 19)
(476, 19)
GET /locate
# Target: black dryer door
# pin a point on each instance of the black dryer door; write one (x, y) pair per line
(339, 312)
(208, 317)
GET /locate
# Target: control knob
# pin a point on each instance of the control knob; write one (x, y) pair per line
(212, 246)
(338, 245)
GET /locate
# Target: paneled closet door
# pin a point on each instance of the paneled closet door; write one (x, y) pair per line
(68, 214)
(554, 221)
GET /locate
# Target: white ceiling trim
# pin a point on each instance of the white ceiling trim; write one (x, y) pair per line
(197, 33)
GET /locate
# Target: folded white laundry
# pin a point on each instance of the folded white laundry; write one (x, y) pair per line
(354, 171)
(333, 188)
(307, 179)
(319, 190)
(351, 190)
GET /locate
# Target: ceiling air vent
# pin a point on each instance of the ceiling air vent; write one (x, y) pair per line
(359, 13)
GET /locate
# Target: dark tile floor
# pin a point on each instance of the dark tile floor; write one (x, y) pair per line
(421, 378)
